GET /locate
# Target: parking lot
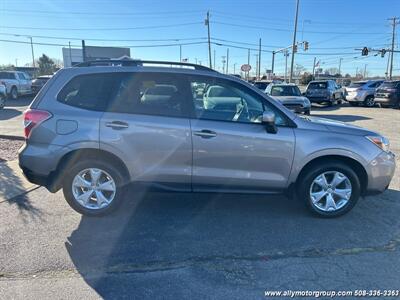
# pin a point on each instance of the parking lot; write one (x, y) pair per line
(201, 245)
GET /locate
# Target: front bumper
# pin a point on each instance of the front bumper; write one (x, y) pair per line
(298, 108)
(380, 172)
(387, 100)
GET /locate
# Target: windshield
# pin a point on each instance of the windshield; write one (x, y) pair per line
(285, 90)
(389, 84)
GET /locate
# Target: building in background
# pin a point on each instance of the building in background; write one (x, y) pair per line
(73, 56)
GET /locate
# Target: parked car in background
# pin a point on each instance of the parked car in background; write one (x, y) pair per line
(92, 133)
(3, 96)
(388, 94)
(290, 96)
(362, 92)
(39, 82)
(17, 83)
(262, 84)
(324, 91)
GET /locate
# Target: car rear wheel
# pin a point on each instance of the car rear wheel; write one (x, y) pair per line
(2, 102)
(93, 188)
(369, 101)
(14, 93)
(330, 190)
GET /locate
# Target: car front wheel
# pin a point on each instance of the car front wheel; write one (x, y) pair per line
(14, 93)
(369, 101)
(330, 190)
(93, 188)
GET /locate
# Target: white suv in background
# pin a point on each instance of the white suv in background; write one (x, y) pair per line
(17, 83)
(362, 92)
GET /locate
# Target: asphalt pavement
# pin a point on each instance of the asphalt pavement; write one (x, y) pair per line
(11, 117)
(211, 246)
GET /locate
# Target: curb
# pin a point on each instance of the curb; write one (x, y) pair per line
(12, 137)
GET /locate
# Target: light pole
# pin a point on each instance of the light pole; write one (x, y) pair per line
(294, 41)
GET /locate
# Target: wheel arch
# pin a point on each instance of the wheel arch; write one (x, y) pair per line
(71, 157)
(351, 162)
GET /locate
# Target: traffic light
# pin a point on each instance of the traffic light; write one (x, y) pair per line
(383, 52)
(364, 51)
(305, 46)
(294, 48)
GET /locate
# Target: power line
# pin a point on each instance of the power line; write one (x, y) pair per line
(119, 13)
(288, 30)
(104, 29)
(105, 40)
(129, 46)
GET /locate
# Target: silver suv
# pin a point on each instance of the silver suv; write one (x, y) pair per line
(96, 128)
(362, 92)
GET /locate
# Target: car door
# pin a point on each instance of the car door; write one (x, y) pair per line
(22, 87)
(146, 125)
(231, 148)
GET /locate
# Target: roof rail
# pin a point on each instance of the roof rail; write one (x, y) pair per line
(133, 63)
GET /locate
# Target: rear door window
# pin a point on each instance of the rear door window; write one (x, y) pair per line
(160, 94)
(92, 91)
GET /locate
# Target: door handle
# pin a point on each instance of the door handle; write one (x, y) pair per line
(206, 134)
(117, 125)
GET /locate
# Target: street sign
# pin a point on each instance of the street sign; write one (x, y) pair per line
(245, 68)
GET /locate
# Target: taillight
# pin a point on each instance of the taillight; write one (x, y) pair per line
(32, 118)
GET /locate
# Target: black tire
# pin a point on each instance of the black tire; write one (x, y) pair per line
(2, 102)
(305, 182)
(307, 112)
(369, 101)
(353, 103)
(92, 163)
(14, 93)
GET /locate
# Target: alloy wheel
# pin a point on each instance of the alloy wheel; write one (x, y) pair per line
(330, 191)
(93, 188)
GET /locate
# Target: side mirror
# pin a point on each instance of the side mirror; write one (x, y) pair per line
(268, 118)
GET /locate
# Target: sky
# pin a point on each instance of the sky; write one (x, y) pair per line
(154, 29)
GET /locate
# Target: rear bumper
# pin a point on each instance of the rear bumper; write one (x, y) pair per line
(39, 163)
(380, 172)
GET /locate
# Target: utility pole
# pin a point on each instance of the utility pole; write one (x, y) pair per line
(214, 60)
(234, 68)
(286, 53)
(70, 53)
(223, 63)
(259, 59)
(394, 22)
(83, 50)
(180, 53)
(16, 62)
(294, 41)
(33, 55)
(313, 67)
(256, 55)
(248, 62)
(227, 60)
(340, 65)
(365, 71)
(207, 22)
(273, 62)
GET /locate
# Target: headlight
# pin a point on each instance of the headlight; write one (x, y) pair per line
(307, 102)
(380, 141)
